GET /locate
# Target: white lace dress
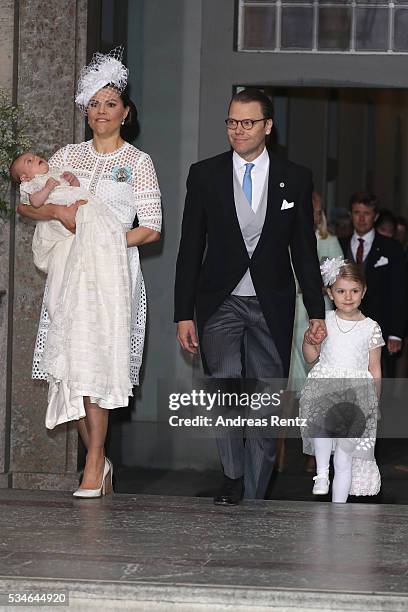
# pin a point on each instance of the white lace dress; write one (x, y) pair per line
(339, 400)
(126, 182)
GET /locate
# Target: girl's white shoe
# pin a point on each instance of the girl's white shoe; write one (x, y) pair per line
(321, 485)
(106, 485)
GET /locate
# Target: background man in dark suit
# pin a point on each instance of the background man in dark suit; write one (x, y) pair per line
(383, 261)
(247, 208)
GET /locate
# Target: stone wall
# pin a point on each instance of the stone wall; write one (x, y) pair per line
(6, 83)
(51, 48)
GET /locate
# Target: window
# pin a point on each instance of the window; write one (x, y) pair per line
(323, 26)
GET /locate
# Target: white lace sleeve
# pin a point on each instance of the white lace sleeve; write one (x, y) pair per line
(147, 195)
(58, 159)
(376, 339)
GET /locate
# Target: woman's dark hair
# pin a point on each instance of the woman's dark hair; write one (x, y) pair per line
(131, 128)
(250, 94)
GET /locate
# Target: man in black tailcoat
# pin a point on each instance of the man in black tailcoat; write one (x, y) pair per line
(245, 209)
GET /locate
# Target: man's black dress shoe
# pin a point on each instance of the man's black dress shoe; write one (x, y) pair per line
(231, 493)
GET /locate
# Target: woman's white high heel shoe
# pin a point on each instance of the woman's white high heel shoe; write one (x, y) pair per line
(109, 480)
(106, 485)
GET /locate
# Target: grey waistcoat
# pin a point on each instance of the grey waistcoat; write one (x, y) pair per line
(251, 225)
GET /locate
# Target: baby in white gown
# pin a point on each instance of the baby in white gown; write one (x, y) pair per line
(88, 293)
(40, 184)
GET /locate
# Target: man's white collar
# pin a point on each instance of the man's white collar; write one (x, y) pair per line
(259, 162)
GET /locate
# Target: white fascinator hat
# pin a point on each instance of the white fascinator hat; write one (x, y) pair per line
(103, 69)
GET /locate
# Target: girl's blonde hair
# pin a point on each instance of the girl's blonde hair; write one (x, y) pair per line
(353, 272)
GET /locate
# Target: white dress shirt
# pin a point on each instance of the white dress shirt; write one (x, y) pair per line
(258, 174)
(368, 243)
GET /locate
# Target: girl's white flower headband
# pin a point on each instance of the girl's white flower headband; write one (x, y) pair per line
(330, 269)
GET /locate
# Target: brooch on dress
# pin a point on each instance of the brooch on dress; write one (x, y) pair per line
(122, 174)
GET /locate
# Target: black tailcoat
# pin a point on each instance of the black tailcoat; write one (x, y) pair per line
(211, 230)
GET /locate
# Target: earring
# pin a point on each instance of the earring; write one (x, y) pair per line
(123, 122)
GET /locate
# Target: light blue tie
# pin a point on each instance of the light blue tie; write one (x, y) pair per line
(247, 183)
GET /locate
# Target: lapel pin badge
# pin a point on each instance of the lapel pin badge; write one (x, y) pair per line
(281, 184)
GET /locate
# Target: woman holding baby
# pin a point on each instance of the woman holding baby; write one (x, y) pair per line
(124, 179)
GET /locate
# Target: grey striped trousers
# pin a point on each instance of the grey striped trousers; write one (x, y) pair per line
(237, 343)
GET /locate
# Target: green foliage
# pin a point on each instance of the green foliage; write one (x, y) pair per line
(13, 142)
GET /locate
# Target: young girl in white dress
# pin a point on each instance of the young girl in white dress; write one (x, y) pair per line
(339, 400)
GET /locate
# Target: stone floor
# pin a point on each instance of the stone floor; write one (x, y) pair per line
(293, 484)
(140, 552)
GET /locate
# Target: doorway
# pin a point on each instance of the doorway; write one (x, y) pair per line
(353, 139)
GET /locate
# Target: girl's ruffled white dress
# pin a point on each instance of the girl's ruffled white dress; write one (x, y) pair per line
(326, 249)
(339, 399)
(126, 183)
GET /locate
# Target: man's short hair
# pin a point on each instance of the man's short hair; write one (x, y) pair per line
(251, 94)
(366, 198)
